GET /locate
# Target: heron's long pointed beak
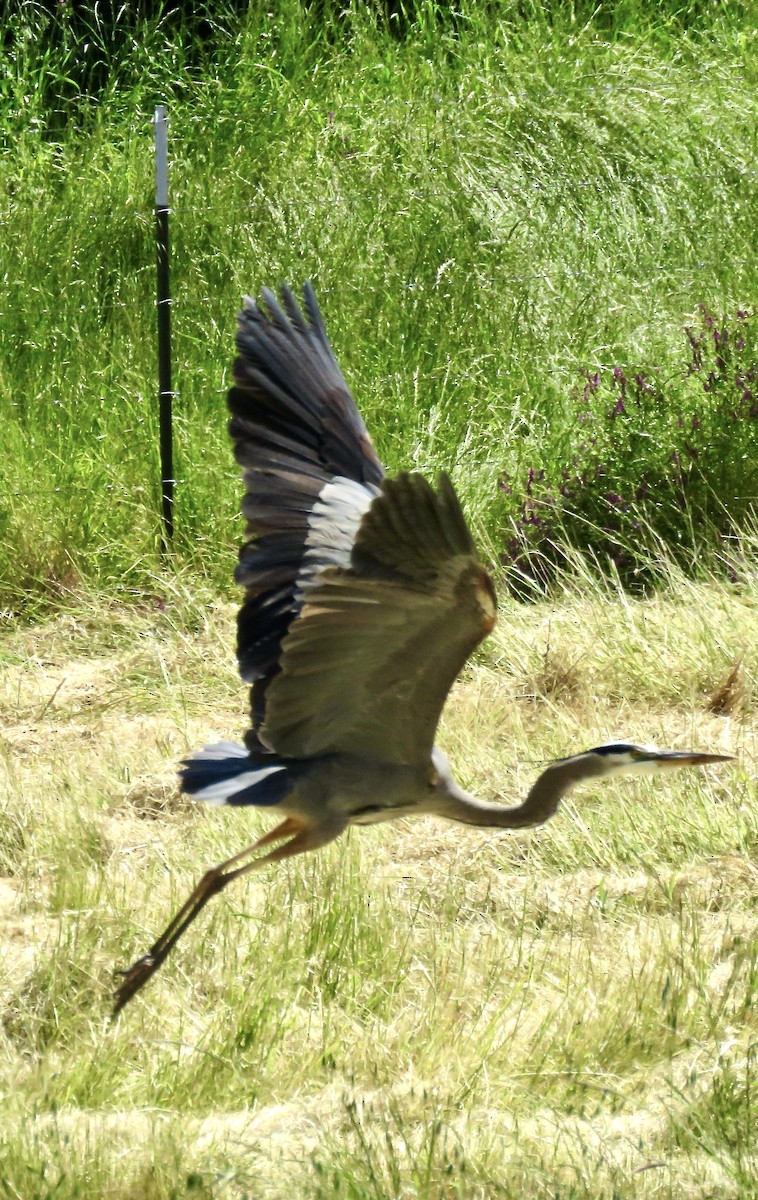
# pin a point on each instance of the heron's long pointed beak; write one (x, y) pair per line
(688, 758)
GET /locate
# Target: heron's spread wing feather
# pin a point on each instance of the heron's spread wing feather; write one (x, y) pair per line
(411, 530)
(371, 656)
(297, 433)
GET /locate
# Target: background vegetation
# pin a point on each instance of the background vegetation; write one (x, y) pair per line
(529, 232)
(532, 230)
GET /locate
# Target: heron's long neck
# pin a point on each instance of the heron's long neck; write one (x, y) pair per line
(541, 803)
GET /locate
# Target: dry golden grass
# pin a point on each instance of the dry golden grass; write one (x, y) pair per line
(418, 1010)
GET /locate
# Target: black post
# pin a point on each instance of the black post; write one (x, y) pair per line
(165, 393)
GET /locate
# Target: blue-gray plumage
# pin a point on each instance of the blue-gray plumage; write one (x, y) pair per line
(364, 597)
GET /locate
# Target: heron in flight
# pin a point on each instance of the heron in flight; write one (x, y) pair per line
(364, 597)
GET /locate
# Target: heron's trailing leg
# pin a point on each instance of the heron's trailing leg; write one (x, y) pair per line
(303, 837)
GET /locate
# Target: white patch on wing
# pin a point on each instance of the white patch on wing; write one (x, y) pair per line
(333, 527)
(218, 793)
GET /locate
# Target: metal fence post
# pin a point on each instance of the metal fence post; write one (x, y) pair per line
(165, 393)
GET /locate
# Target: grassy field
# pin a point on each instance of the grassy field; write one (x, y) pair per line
(416, 1011)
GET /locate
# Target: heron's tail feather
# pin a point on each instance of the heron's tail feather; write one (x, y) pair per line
(225, 773)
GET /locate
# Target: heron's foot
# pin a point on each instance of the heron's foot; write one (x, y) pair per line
(134, 978)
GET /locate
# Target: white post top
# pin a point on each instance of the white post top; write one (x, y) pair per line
(161, 156)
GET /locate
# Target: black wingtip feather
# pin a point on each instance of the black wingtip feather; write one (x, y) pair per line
(295, 427)
(314, 312)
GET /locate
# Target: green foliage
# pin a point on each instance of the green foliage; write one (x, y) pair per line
(652, 460)
(492, 210)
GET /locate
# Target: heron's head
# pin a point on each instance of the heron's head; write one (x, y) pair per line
(618, 758)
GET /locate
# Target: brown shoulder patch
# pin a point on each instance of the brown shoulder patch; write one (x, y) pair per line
(485, 594)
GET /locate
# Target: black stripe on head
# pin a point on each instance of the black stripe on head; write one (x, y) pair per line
(614, 748)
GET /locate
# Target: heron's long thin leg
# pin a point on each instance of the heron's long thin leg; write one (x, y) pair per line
(286, 829)
(305, 838)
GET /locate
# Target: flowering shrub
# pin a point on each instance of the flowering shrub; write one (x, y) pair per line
(672, 460)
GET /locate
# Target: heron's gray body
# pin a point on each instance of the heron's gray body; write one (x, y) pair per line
(344, 785)
(364, 597)
(339, 786)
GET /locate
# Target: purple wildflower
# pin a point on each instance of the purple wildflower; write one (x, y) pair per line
(642, 385)
(642, 490)
(697, 351)
(707, 318)
(620, 378)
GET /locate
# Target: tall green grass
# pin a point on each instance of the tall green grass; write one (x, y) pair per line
(493, 209)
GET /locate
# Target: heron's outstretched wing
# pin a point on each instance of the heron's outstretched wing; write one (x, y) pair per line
(305, 451)
(368, 662)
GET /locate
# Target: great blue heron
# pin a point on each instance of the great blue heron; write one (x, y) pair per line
(363, 599)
